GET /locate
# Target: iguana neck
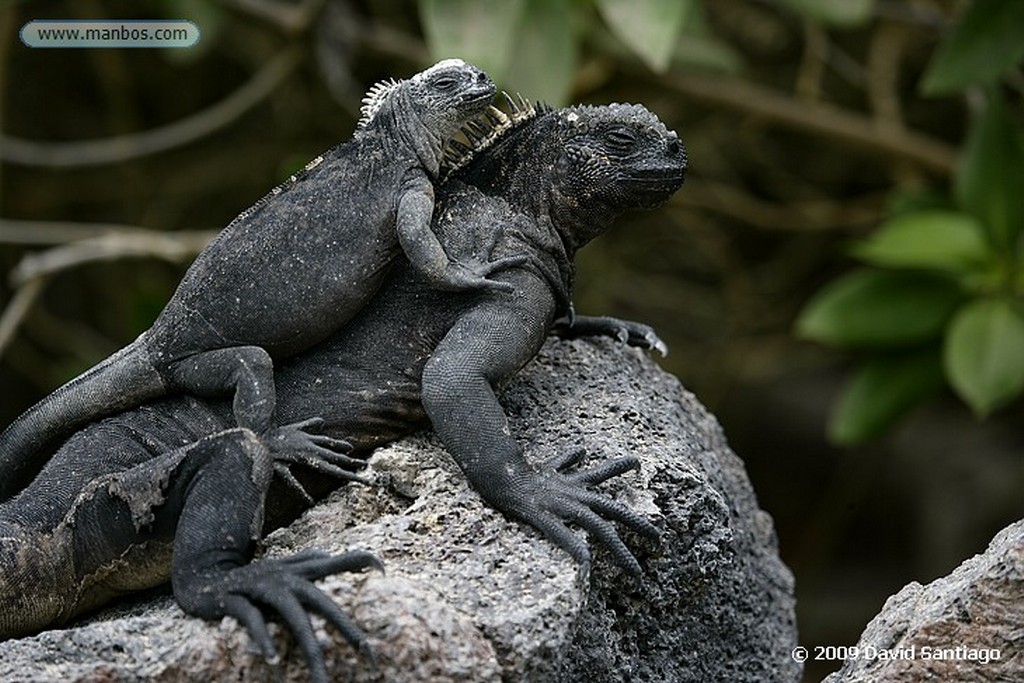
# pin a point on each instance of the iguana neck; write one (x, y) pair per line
(572, 224)
(414, 133)
(561, 272)
(560, 230)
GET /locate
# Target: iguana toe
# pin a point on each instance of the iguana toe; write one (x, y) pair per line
(282, 587)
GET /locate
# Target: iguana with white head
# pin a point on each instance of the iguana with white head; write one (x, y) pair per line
(287, 272)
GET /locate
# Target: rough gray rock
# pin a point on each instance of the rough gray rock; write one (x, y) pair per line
(965, 627)
(470, 596)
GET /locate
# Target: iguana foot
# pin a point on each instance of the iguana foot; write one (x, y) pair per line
(551, 500)
(283, 586)
(299, 443)
(625, 331)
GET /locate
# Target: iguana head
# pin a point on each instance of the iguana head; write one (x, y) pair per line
(438, 100)
(584, 164)
(619, 156)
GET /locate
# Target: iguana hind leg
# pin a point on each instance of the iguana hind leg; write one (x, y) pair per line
(246, 372)
(222, 498)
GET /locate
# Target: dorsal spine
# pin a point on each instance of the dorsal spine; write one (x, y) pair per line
(482, 132)
(374, 100)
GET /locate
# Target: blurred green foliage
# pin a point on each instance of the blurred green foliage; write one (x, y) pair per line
(533, 46)
(947, 280)
(984, 46)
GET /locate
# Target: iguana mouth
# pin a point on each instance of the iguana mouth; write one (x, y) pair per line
(653, 186)
(479, 95)
(668, 178)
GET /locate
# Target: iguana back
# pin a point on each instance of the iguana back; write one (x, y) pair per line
(286, 273)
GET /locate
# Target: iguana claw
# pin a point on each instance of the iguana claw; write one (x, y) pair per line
(299, 444)
(625, 331)
(474, 275)
(285, 586)
(552, 500)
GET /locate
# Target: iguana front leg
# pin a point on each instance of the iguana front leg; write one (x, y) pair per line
(484, 347)
(424, 251)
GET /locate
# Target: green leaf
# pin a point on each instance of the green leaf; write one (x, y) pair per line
(837, 12)
(699, 47)
(880, 309)
(984, 354)
(545, 53)
(941, 240)
(707, 52)
(482, 32)
(928, 200)
(883, 390)
(986, 43)
(990, 180)
(649, 27)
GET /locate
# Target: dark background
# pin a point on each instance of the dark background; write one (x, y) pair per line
(784, 172)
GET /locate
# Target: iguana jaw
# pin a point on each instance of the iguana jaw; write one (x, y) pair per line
(651, 187)
(476, 100)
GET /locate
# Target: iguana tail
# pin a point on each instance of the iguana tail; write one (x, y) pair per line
(124, 380)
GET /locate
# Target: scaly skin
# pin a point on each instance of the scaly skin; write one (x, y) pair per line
(286, 273)
(155, 477)
(600, 161)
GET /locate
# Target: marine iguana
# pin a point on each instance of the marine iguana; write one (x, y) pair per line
(544, 184)
(286, 272)
(545, 187)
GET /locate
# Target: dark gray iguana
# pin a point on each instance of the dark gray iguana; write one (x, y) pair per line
(544, 184)
(287, 272)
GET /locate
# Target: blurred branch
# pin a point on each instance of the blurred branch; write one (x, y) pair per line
(17, 309)
(59, 232)
(817, 118)
(290, 18)
(885, 54)
(812, 64)
(131, 146)
(102, 243)
(110, 246)
(808, 216)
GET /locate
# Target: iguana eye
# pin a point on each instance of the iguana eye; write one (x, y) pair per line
(622, 138)
(445, 83)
